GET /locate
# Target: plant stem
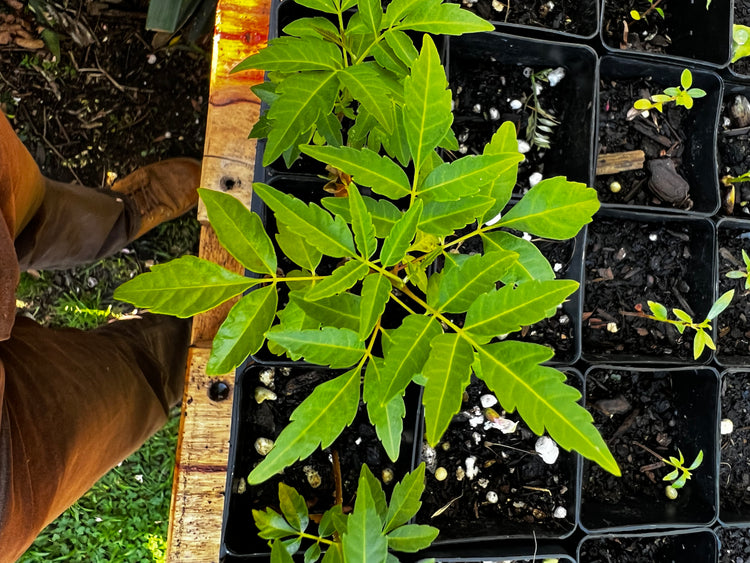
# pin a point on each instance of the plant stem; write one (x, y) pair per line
(651, 8)
(652, 452)
(315, 538)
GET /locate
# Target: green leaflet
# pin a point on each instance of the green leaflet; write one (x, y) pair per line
(329, 346)
(376, 291)
(397, 10)
(427, 103)
(384, 213)
(331, 236)
(240, 231)
(302, 97)
(330, 128)
(386, 58)
(398, 240)
(402, 46)
(295, 248)
(461, 285)
(412, 538)
(363, 125)
(447, 371)
(315, 27)
(463, 177)
(293, 507)
(405, 501)
(243, 331)
(509, 308)
(407, 353)
(294, 54)
(364, 539)
(271, 524)
(183, 287)
(397, 145)
(366, 168)
(364, 230)
(342, 278)
(555, 208)
(531, 263)
(312, 423)
(371, 13)
(443, 19)
(503, 141)
(312, 553)
(333, 555)
(512, 371)
(388, 419)
(339, 311)
(442, 218)
(374, 88)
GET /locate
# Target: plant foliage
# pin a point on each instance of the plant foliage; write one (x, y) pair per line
(403, 216)
(682, 95)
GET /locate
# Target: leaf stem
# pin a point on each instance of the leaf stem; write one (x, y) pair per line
(315, 538)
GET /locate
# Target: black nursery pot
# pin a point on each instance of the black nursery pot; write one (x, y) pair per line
(622, 77)
(532, 499)
(734, 471)
(484, 66)
(500, 554)
(732, 326)
(695, 33)
(631, 258)
(357, 445)
(664, 410)
(733, 148)
(688, 546)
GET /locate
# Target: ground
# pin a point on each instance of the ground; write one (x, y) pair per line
(94, 115)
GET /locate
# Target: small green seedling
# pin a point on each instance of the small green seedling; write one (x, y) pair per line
(654, 7)
(541, 122)
(740, 42)
(682, 95)
(364, 535)
(739, 274)
(729, 180)
(683, 321)
(680, 475)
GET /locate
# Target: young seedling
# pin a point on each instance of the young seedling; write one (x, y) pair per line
(654, 7)
(682, 95)
(740, 42)
(683, 321)
(541, 122)
(739, 274)
(372, 523)
(680, 475)
(729, 180)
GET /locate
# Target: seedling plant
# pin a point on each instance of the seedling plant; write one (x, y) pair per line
(366, 534)
(740, 42)
(400, 214)
(683, 320)
(680, 475)
(654, 7)
(739, 274)
(683, 95)
(541, 122)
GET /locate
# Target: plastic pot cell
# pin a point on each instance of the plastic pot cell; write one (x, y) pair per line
(646, 416)
(733, 149)
(672, 547)
(560, 20)
(315, 477)
(501, 91)
(732, 327)
(688, 31)
(632, 258)
(485, 480)
(734, 476)
(656, 159)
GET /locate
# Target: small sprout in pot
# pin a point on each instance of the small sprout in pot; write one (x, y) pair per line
(682, 95)
(740, 42)
(680, 475)
(741, 273)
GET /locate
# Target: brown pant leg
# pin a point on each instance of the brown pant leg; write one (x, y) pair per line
(75, 404)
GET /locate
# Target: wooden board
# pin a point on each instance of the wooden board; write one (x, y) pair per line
(203, 444)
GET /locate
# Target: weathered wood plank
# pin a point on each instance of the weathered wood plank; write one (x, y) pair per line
(202, 450)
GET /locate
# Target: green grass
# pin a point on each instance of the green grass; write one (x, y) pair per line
(121, 519)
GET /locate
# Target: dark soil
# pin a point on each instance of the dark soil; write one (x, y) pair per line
(528, 489)
(625, 268)
(733, 150)
(98, 114)
(735, 544)
(734, 471)
(660, 135)
(642, 407)
(650, 34)
(482, 102)
(741, 17)
(357, 445)
(682, 548)
(733, 328)
(568, 16)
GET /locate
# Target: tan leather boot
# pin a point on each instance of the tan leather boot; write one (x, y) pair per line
(162, 191)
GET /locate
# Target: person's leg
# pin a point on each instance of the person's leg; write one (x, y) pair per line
(76, 404)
